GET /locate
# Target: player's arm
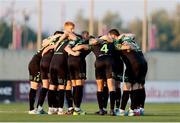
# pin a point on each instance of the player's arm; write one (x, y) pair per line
(70, 51)
(106, 38)
(45, 42)
(122, 46)
(48, 40)
(79, 47)
(47, 49)
(126, 46)
(69, 47)
(95, 41)
(65, 35)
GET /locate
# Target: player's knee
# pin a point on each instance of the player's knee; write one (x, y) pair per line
(127, 86)
(61, 87)
(69, 85)
(141, 86)
(100, 85)
(111, 88)
(73, 83)
(45, 83)
(34, 85)
(99, 89)
(79, 82)
(135, 86)
(111, 84)
(52, 87)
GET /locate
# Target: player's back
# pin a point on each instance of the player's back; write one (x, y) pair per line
(103, 48)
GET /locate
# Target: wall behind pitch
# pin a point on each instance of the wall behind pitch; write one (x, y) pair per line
(14, 64)
(163, 66)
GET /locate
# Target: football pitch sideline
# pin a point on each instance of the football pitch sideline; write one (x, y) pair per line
(157, 112)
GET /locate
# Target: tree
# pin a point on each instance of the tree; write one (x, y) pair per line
(28, 36)
(176, 29)
(135, 26)
(112, 20)
(5, 34)
(164, 29)
(81, 21)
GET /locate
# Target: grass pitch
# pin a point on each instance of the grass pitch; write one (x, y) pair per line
(17, 112)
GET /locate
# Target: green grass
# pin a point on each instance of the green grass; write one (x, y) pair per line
(153, 113)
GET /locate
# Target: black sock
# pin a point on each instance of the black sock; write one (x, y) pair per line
(125, 98)
(112, 99)
(100, 99)
(74, 95)
(51, 97)
(134, 99)
(105, 96)
(42, 96)
(79, 95)
(118, 97)
(56, 99)
(69, 98)
(138, 98)
(143, 97)
(32, 97)
(61, 98)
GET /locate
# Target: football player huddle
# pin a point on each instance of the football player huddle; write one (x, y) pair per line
(60, 67)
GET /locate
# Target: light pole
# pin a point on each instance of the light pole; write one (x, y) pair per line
(39, 33)
(144, 28)
(91, 17)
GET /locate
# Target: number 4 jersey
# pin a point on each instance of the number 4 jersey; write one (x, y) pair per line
(102, 48)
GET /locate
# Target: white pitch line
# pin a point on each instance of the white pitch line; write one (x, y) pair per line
(13, 111)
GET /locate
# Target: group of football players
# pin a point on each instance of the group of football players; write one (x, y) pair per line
(60, 67)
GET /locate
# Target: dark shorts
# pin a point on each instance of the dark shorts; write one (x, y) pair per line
(58, 70)
(104, 68)
(119, 67)
(136, 67)
(75, 66)
(34, 69)
(83, 61)
(45, 64)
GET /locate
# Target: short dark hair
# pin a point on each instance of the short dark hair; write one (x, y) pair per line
(114, 32)
(100, 36)
(84, 32)
(58, 32)
(91, 36)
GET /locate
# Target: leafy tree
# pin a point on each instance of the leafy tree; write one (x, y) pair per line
(135, 26)
(112, 20)
(164, 29)
(176, 29)
(80, 21)
(28, 35)
(5, 34)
